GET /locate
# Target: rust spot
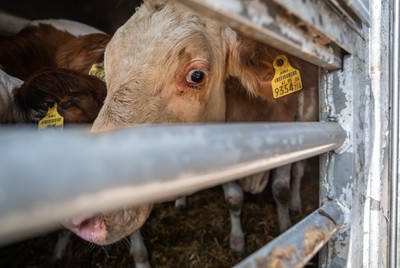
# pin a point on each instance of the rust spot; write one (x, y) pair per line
(312, 238)
(278, 258)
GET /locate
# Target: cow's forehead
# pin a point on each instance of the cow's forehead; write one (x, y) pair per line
(153, 40)
(160, 29)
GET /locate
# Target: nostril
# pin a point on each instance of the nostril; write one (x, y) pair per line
(78, 221)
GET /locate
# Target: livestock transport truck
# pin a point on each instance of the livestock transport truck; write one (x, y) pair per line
(355, 43)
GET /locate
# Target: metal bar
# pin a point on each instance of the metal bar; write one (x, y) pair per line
(299, 244)
(375, 234)
(264, 21)
(320, 16)
(49, 176)
(345, 178)
(360, 8)
(394, 245)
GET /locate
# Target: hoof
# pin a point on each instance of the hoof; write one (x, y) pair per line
(237, 245)
(294, 212)
(181, 208)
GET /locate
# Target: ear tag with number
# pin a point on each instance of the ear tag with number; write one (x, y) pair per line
(52, 119)
(287, 79)
(97, 70)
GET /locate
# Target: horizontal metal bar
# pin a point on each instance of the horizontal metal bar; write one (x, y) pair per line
(358, 7)
(49, 176)
(264, 21)
(319, 15)
(299, 244)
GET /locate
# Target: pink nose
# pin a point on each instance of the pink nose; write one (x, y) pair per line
(79, 220)
(92, 229)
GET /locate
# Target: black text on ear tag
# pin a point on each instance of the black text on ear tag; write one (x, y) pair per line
(52, 119)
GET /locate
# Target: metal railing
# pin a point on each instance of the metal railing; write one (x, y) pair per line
(299, 244)
(49, 176)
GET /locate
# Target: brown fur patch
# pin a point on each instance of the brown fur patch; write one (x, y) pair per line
(82, 52)
(79, 96)
(31, 49)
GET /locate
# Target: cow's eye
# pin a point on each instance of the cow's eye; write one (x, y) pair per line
(195, 78)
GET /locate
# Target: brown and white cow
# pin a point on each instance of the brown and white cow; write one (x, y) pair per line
(169, 65)
(55, 57)
(35, 53)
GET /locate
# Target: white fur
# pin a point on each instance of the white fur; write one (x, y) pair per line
(73, 27)
(10, 25)
(7, 84)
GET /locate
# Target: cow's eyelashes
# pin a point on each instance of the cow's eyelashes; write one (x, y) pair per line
(195, 78)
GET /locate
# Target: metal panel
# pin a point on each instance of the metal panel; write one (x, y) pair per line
(357, 97)
(44, 179)
(269, 23)
(342, 178)
(376, 206)
(299, 244)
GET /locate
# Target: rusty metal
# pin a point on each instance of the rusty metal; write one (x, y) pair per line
(318, 15)
(271, 24)
(299, 244)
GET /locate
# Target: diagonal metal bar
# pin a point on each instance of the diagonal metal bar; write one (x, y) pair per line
(299, 244)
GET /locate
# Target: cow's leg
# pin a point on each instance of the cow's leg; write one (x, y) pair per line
(295, 197)
(138, 250)
(62, 241)
(281, 194)
(256, 183)
(234, 199)
(180, 203)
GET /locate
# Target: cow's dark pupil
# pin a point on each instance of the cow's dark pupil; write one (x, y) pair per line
(197, 76)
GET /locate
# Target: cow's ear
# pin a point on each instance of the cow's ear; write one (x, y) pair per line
(256, 64)
(251, 62)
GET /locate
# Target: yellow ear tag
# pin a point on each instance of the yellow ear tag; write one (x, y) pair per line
(52, 119)
(287, 79)
(97, 70)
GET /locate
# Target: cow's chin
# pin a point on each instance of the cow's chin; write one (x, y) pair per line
(108, 228)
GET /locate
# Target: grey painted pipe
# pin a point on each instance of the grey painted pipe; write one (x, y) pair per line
(299, 244)
(49, 176)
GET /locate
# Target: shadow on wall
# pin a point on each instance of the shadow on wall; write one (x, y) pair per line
(106, 15)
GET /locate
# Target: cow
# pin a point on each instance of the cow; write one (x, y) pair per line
(167, 64)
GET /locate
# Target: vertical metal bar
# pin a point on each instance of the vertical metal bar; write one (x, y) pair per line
(344, 176)
(394, 247)
(299, 244)
(376, 206)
